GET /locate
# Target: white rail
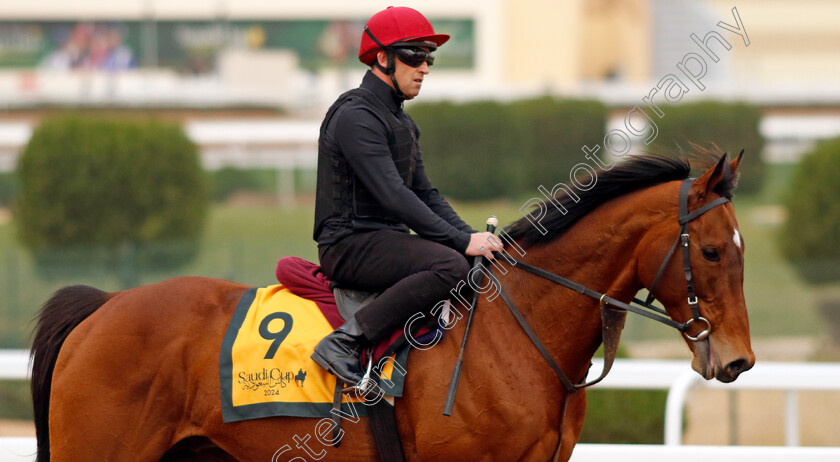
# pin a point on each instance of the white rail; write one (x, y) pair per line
(17, 449)
(779, 376)
(14, 364)
(658, 453)
(678, 378)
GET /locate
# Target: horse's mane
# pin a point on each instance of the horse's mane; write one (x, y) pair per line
(638, 172)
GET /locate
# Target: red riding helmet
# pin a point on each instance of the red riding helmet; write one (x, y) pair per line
(396, 26)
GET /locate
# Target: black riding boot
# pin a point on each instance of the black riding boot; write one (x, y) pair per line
(340, 352)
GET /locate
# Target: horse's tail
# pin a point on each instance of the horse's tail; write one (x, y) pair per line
(65, 310)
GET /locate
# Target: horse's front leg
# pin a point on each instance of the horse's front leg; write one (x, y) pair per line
(575, 414)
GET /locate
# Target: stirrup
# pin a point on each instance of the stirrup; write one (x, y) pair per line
(366, 384)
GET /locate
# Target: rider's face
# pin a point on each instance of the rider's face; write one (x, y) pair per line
(410, 79)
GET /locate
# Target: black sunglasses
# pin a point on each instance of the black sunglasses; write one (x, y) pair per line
(414, 56)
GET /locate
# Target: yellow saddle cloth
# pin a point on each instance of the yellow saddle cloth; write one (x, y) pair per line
(264, 365)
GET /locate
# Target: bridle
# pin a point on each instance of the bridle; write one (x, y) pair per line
(684, 219)
(613, 312)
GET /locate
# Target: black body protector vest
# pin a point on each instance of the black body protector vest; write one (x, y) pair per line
(340, 192)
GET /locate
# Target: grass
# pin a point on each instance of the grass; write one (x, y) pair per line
(17, 402)
(779, 302)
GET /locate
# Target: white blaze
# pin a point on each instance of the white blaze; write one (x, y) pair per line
(737, 238)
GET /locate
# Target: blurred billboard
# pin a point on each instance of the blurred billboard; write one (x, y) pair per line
(194, 46)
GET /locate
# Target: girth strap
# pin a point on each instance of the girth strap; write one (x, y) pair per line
(382, 421)
(383, 425)
(335, 413)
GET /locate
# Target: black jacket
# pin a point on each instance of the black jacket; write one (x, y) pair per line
(357, 151)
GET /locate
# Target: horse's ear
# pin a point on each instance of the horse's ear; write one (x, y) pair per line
(707, 181)
(733, 166)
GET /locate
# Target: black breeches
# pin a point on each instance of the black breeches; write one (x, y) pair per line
(415, 273)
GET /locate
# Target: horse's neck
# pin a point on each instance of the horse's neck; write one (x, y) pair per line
(597, 252)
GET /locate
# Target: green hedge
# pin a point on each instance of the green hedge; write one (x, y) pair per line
(485, 150)
(8, 189)
(810, 237)
(555, 133)
(230, 180)
(17, 403)
(115, 183)
(730, 126)
(624, 416)
(469, 150)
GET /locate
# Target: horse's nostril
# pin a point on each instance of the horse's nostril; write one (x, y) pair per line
(737, 366)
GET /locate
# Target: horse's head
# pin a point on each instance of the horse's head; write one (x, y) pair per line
(716, 251)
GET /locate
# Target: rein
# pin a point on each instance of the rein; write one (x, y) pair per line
(612, 309)
(613, 312)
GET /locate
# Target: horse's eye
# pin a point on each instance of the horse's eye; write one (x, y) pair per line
(711, 254)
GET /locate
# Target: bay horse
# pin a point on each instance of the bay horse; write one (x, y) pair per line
(134, 375)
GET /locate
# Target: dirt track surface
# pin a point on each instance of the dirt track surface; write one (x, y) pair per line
(16, 428)
(759, 418)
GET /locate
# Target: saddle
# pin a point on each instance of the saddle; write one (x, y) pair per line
(349, 301)
(338, 304)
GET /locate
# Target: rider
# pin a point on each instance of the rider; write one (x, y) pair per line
(372, 190)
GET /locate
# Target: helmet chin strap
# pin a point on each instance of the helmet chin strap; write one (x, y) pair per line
(390, 70)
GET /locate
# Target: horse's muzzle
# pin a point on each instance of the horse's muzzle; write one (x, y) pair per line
(732, 370)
